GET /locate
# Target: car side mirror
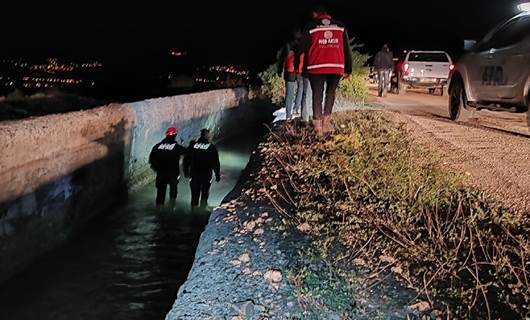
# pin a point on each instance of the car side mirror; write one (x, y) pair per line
(469, 45)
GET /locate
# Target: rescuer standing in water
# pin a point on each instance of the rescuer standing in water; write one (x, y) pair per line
(201, 161)
(165, 161)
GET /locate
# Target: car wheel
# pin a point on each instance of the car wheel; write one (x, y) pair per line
(458, 110)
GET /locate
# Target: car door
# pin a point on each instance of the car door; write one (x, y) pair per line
(509, 55)
(500, 61)
(477, 63)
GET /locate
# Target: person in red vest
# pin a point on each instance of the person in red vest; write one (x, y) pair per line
(292, 64)
(328, 59)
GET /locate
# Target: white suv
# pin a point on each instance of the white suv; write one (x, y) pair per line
(495, 73)
(426, 69)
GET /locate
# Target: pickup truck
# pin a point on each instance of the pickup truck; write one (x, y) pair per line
(426, 69)
(495, 72)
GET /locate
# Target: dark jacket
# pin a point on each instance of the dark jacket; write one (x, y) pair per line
(326, 47)
(384, 60)
(290, 61)
(202, 160)
(165, 158)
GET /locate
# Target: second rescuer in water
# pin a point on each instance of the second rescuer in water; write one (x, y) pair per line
(201, 161)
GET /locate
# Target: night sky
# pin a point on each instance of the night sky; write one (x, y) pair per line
(247, 33)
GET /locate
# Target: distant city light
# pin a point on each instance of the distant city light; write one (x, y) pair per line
(178, 53)
(230, 69)
(52, 73)
(222, 75)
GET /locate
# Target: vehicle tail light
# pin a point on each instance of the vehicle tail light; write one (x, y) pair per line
(452, 67)
(405, 68)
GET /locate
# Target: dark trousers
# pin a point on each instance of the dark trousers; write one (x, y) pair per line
(200, 189)
(161, 188)
(331, 82)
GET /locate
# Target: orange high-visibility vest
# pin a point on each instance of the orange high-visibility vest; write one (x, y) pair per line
(289, 63)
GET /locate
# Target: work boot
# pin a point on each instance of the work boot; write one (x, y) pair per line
(318, 126)
(326, 124)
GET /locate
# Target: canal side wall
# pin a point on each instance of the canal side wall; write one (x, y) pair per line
(59, 171)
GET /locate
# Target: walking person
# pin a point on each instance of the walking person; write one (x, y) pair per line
(292, 66)
(200, 163)
(328, 59)
(384, 64)
(165, 161)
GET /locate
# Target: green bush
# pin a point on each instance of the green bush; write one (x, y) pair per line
(273, 84)
(359, 60)
(355, 88)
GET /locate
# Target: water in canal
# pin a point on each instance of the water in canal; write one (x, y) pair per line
(127, 264)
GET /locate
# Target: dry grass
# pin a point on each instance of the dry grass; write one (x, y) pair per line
(372, 197)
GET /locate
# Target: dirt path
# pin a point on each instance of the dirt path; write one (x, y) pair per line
(492, 150)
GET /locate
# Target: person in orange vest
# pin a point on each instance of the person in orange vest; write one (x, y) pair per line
(292, 66)
(303, 86)
(328, 59)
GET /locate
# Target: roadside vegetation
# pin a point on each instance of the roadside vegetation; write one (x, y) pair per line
(377, 206)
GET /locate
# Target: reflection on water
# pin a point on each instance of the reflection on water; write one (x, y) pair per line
(125, 265)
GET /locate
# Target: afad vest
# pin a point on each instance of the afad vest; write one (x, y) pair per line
(326, 53)
(289, 63)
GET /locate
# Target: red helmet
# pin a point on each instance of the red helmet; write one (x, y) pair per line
(171, 131)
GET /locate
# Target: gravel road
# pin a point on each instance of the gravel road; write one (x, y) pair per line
(492, 150)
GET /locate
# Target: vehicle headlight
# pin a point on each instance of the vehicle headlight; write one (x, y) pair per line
(524, 6)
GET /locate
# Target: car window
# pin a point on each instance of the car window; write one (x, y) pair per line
(508, 34)
(428, 57)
